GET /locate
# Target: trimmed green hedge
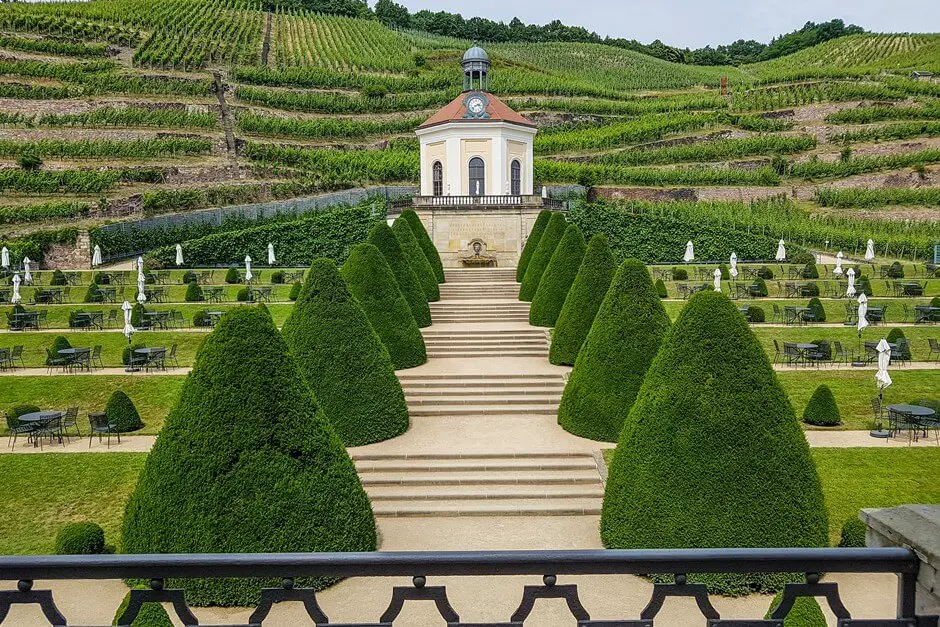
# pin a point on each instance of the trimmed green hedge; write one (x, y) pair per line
(712, 454)
(247, 463)
(92, 295)
(383, 238)
(13, 413)
(122, 412)
(896, 334)
(816, 306)
(427, 245)
(373, 283)
(583, 300)
(532, 243)
(853, 533)
(193, 293)
(804, 613)
(542, 256)
(557, 279)
(626, 333)
(417, 259)
(151, 614)
(822, 410)
(80, 538)
(660, 286)
(343, 359)
(59, 343)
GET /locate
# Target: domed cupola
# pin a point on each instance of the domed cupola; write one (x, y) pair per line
(476, 69)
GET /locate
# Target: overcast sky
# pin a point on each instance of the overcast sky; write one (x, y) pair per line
(695, 23)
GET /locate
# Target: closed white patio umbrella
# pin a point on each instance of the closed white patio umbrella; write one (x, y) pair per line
(781, 251)
(27, 275)
(271, 259)
(838, 269)
(140, 264)
(862, 312)
(141, 288)
(733, 271)
(850, 291)
(870, 251)
(689, 252)
(5, 257)
(248, 274)
(717, 281)
(96, 257)
(179, 254)
(16, 289)
(128, 327)
(882, 378)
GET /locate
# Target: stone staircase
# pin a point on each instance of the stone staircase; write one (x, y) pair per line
(461, 343)
(482, 394)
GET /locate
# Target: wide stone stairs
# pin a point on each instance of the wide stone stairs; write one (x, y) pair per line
(480, 324)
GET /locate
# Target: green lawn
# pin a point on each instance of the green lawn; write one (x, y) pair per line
(58, 315)
(834, 308)
(112, 344)
(848, 336)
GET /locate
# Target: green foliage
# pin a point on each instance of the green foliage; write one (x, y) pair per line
(896, 334)
(804, 613)
(896, 270)
(92, 295)
(817, 308)
(122, 412)
(862, 165)
(245, 450)
(137, 315)
(718, 150)
(822, 409)
(59, 343)
(417, 259)
(862, 285)
(660, 286)
(13, 413)
(194, 293)
(131, 116)
(128, 350)
(243, 295)
(108, 148)
(765, 273)
(319, 102)
(542, 256)
(347, 367)
(151, 614)
(810, 271)
(680, 274)
(712, 454)
(295, 290)
(631, 131)
(383, 238)
(430, 250)
(28, 160)
(233, 276)
(889, 132)
(626, 333)
(101, 278)
(20, 214)
(532, 243)
(159, 201)
(557, 279)
(373, 283)
(757, 314)
(322, 128)
(201, 318)
(853, 533)
(583, 301)
(277, 277)
(568, 172)
(80, 538)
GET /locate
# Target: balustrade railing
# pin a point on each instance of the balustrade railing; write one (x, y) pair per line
(422, 567)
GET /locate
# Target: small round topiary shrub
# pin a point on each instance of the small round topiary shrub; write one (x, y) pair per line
(417, 259)
(128, 350)
(935, 301)
(896, 334)
(804, 613)
(810, 271)
(430, 250)
(680, 274)
(822, 410)
(233, 276)
(277, 277)
(725, 273)
(557, 279)
(101, 278)
(532, 243)
(295, 290)
(757, 314)
(542, 256)
(13, 413)
(863, 286)
(758, 288)
(122, 412)
(811, 290)
(58, 278)
(817, 308)
(202, 318)
(189, 277)
(383, 238)
(853, 533)
(137, 315)
(194, 293)
(896, 270)
(765, 273)
(802, 259)
(661, 289)
(151, 614)
(59, 343)
(92, 295)
(373, 283)
(80, 538)
(243, 295)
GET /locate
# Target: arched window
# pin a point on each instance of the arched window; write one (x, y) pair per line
(515, 178)
(437, 179)
(477, 177)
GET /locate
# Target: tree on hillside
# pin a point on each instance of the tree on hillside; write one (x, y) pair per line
(532, 243)
(609, 371)
(246, 463)
(343, 360)
(417, 259)
(373, 283)
(542, 256)
(583, 301)
(430, 250)
(557, 279)
(712, 454)
(383, 238)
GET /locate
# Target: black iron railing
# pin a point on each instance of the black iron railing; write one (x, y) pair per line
(423, 566)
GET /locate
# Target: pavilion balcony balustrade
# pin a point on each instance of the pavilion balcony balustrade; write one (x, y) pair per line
(470, 202)
(806, 565)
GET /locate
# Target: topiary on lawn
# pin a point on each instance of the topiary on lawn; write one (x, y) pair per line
(430, 250)
(58, 278)
(532, 243)
(758, 288)
(189, 277)
(853, 533)
(809, 271)
(277, 277)
(92, 295)
(712, 454)
(557, 279)
(816, 306)
(822, 410)
(101, 278)
(295, 290)
(935, 301)
(193, 293)
(903, 352)
(661, 289)
(584, 299)
(863, 286)
(13, 413)
(756, 313)
(59, 343)
(542, 256)
(80, 538)
(343, 359)
(680, 274)
(417, 259)
(383, 238)
(122, 412)
(137, 315)
(151, 614)
(233, 276)
(802, 258)
(243, 295)
(804, 613)
(896, 270)
(627, 332)
(202, 318)
(246, 463)
(129, 349)
(765, 273)
(372, 282)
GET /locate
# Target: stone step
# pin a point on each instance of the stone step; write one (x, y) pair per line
(484, 493)
(406, 465)
(485, 344)
(451, 354)
(358, 456)
(538, 335)
(437, 410)
(482, 478)
(485, 392)
(476, 397)
(406, 375)
(509, 507)
(496, 316)
(473, 306)
(446, 385)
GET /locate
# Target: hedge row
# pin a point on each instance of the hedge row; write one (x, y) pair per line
(383, 238)
(542, 256)
(532, 243)
(557, 279)
(424, 240)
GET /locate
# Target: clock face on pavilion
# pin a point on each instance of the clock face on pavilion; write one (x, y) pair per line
(476, 104)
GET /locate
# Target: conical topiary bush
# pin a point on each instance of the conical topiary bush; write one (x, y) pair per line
(583, 300)
(542, 256)
(822, 410)
(711, 454)
(246, 463)
(122, 412)
(427, 245)
(627, 331)
(343, 359)
(557, 279)
(804, 613)
(417, 259)
(383, 238)
(531, 243)
(372, 282)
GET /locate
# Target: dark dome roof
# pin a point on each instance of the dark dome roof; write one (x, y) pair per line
(476, 53)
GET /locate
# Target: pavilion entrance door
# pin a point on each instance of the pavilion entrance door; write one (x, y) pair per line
(477, 177)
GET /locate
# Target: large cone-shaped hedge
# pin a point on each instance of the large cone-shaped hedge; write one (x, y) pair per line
(712, 454)
(343, 359)
(584, 299)
(372, 282)
(542, 256)
(383, 238)
(427, 245)
(532, 243)
(417, 259)
(246, 463)
(557, 279)
(627, 331)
